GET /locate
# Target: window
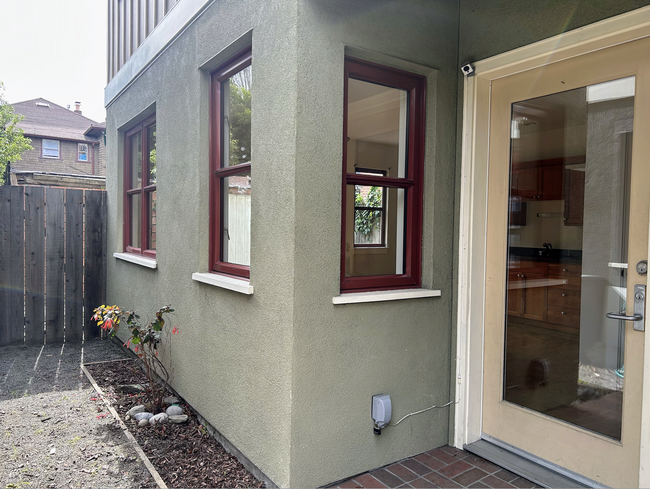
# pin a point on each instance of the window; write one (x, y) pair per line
(230, 167)
(383, 163)
(82, 152)
(369, 212)
(140, 189)
(51, 148)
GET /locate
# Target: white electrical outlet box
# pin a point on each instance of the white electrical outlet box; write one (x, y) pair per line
(381, 410)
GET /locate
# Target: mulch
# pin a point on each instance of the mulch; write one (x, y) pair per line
(184, 455)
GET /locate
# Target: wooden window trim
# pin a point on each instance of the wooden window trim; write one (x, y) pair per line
(143, 190)
(218, 171)
(415, 85)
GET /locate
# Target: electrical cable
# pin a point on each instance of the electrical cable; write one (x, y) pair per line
(423, 410)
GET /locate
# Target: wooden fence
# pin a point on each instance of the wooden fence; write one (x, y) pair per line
(52, 264)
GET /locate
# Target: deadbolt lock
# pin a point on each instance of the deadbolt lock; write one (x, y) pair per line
(642, 267)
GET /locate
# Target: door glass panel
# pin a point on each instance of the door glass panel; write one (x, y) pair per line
(567, 254)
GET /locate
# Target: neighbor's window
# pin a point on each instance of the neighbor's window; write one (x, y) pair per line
(383, 159)
(82, 152)
(51, 148)
(140, 189)
(369, 212)
(230, 162)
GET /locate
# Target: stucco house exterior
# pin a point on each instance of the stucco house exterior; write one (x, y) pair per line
(67, 147)
(440, 201)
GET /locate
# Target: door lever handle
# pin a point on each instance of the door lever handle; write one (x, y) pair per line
(622, 317)
(639, 310)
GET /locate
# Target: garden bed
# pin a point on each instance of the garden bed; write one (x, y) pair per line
(184, 455)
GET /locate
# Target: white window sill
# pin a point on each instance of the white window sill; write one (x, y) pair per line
(137, 259)
(234, 284)
(384, 295)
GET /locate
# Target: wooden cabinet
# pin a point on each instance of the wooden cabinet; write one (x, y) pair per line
(548, 292)
(538, 180)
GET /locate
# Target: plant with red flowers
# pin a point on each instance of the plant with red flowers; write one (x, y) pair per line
(146, 339)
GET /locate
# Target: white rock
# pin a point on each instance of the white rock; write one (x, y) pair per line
(174, 410)
(135, 410)
(143, 422)
(158, 418)
(178, 419)
(141, 416)
(171, 400)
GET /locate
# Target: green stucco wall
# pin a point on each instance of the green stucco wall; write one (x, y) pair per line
(344, 354)
(496, 26)
(232, 358)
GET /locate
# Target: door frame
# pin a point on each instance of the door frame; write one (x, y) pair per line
(473, 209)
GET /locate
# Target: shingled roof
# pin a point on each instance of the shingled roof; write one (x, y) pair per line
(46, 119)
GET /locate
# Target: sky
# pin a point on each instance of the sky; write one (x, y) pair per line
(55, 49)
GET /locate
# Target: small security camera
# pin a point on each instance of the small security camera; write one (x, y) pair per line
(467, 69)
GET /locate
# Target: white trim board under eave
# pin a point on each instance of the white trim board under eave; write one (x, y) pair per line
(473, 202)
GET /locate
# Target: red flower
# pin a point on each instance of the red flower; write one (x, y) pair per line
(174, 330)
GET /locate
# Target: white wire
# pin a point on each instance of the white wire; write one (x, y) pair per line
(418, 412)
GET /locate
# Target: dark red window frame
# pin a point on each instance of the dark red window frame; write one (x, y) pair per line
(143, 189)
(220, 169)
(415, 85)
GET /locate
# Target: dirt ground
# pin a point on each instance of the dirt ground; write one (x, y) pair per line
(54, 431)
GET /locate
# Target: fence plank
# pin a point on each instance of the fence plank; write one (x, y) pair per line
(95, 259)
(17, 257)
(55, 256)
(5, 263)
(74, 265)
(34, 265)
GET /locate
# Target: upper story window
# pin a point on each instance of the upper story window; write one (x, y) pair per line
(82, 152)
(383, 163)
(140, 189)
(230, 167)
(51, 148)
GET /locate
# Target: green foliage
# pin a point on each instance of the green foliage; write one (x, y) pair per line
(239, 118)
(146, 338)
(365, 221)
(12, 139)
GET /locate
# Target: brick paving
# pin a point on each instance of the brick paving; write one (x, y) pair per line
(443, 467)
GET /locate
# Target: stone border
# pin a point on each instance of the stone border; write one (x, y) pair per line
(134, 443)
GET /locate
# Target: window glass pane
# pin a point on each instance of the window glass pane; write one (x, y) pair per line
(151, 220)
(136, 201)
(375, 234)
(50, 148)
(569, 219)
(236, 228)
(83, 152)
(377, 128)
(136, 160)
(236, 110)
(151, 153)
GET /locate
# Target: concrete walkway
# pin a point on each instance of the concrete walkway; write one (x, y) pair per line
(442, 467)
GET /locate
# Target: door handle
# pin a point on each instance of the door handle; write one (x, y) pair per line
(622, 317)
(639, 309)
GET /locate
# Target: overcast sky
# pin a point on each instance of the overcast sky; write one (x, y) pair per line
(55, 49)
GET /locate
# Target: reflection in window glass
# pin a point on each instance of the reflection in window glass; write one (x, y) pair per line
(236, 205)
(136, 201)
(151, 225)
(237, 118)
(151, 152)
(136, 160)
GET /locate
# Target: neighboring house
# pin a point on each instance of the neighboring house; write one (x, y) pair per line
(347, 208)
(67, 148)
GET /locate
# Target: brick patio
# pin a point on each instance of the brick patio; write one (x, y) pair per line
(442, 467)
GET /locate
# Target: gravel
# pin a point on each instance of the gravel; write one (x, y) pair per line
(54, 431)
